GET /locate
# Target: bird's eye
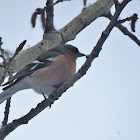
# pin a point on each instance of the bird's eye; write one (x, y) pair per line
(75, 50)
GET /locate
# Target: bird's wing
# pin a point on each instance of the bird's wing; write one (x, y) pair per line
(44, 60)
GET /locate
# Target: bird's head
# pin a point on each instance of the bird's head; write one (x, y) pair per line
(67, 50)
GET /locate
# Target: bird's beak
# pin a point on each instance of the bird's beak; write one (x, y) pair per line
(80, 54)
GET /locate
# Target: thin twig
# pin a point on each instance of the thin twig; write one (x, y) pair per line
(43, 18)
(128, 33)
(58, 2)
(56, 94)
(2, 54)
(11, 60)
(125, 31)
(9, 71)
(133, 20)
(6, 112)
(7, 107)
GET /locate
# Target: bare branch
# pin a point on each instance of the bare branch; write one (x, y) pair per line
(2, 54)
(117, 4)
(7, 108)
(6, 113)
(43, 18)
(50, 14)
(58, 1)
(10, 61)
(56, 94)
(80, 22)
(9, 71)
(133, 20)
(125, 31)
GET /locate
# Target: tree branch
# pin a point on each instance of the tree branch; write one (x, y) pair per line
(125, 31)
(88, 15)
(49, 20)
(133, 19)
(10, 61)
(117, 4)
(6, 113)
(56, 94)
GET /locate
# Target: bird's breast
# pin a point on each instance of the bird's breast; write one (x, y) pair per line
(60, 71)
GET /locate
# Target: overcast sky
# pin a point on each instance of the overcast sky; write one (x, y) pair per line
(104, 104)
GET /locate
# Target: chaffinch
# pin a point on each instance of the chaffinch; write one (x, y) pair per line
(46, 73)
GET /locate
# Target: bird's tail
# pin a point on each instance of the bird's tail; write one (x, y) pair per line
(12, 90)
(5, 95)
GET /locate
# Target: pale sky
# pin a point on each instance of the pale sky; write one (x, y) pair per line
(104, 104)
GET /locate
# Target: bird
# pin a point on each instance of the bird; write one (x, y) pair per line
(46, 73)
